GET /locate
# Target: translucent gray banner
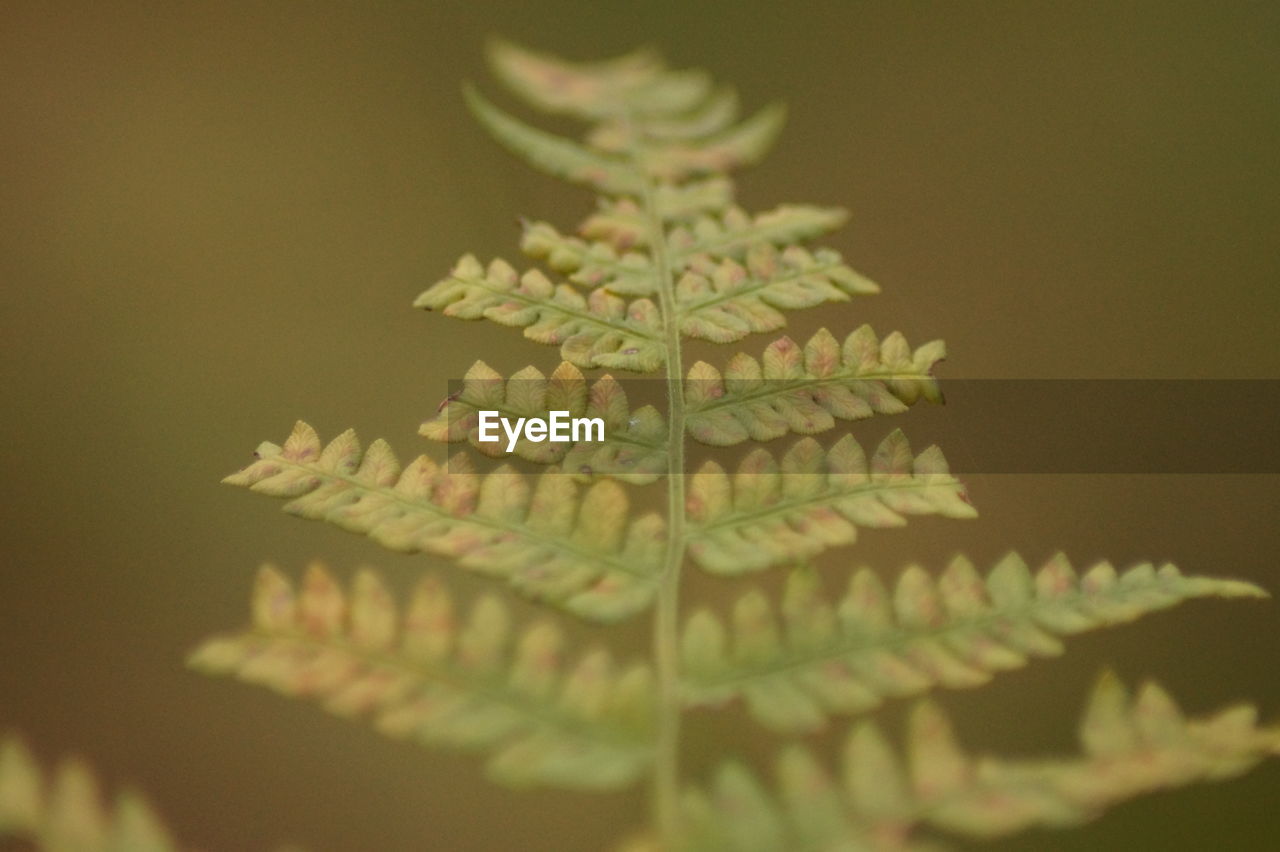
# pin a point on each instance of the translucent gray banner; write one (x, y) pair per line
(1056, 426)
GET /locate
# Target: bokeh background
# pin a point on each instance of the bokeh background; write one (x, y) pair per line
(215, 216)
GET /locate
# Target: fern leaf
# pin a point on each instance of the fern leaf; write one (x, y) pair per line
(611, 173)
(806, 390)
(773, 512)
(673, 125)
(684, 201)
(634, 445)
(65, 813)
(553, 154)
(955, 632)
(724, 301)
(587, 90)
(550, 541)
(697, 247)
(735, 232)
(658, 153)
(795, 390)
(622, 225)
(433, 676)
(721, 296)
(744, 144)
(667, 254)
(592, 264)
(715, 114)
(1132, 746)
(597, 330)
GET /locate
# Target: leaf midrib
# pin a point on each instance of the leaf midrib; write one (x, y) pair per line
(778, 387)
(559, 544)
(725, 242)
(899, 636)
(785, 505)
(567, 725)
(627, 326)
(757, 284)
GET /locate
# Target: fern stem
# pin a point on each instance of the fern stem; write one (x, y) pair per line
(666, 774)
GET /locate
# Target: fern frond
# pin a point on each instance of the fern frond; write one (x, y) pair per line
(634, 445)
(1131, 746)
(597, 330)
(660, 156)
(667, 255)
(771, 512)
(673, 125)
(956, 632)
(661, 145)
(430, 675)
(806, 390)
(65, 813)
(551, 541)
(717, 113)
(589, 90)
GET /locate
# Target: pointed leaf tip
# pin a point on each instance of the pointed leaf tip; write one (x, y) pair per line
(956, 631)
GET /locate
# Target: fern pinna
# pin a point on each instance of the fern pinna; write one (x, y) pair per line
(667, 256)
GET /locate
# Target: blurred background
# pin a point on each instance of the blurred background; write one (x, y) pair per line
(216, 215)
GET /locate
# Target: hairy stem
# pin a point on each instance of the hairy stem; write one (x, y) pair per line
(666, 774)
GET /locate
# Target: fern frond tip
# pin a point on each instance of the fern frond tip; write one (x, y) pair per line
(1136, 745)
(799, 661)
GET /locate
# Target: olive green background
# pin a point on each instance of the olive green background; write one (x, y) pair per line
(216, 215)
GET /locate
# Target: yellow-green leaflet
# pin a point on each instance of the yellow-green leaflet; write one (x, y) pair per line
(64, 811)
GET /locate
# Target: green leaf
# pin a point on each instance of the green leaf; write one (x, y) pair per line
(670, 125)
(550, 540)
(848, 656)
(742, 145)
(65, 813)
(655, 129)
(553, 154)
(431, 675)
(724, 301)
(735, 233)
(590, 90)
(771, 513)
(599, 330)
(732, 234)
(712, 117)
(805, 390)
(882, 800)
(624, 225)
(634, 445)
(590, 264)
